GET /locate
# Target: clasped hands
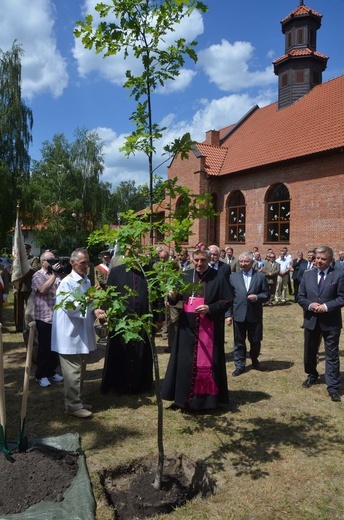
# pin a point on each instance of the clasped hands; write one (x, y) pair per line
(317, 307)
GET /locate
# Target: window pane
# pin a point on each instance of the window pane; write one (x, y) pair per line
(278, 214)
(236, 216)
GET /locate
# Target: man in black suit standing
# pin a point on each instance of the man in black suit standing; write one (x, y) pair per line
(298, 263)
(339, 264)
(321, 295)
(215, 263)
(250, 292)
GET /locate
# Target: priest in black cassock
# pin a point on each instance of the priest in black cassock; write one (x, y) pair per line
(196, 376)
(128, 367)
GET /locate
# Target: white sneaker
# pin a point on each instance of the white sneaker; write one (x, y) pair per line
(44, 382)
(57, 378)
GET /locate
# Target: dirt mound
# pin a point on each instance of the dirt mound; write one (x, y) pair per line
(130, 492)
(42, 473)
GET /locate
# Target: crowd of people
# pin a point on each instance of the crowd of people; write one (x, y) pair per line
(216, 290)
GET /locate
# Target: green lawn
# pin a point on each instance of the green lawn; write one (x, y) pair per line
(276, 452)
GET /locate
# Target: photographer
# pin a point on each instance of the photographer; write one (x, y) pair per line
(44, 286)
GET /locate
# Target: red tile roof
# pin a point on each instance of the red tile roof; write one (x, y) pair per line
(300, 53)
(301, 10)
(313, 124)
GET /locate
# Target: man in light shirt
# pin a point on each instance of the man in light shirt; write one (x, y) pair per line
(283, 276)
(73, 335)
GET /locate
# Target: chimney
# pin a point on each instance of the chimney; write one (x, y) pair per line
(212, 137)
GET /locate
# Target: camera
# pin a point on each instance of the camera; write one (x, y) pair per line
(65, 266)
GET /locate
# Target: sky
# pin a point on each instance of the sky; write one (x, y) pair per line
(68, 87)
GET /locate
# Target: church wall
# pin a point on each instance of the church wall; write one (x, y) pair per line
(316, 194)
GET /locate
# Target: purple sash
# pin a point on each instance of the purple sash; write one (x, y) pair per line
(204, 382)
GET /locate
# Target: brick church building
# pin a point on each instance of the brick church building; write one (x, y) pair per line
(276, 177)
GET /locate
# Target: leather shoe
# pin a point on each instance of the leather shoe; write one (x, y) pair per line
(174, 407)
(310, 381)
(335, 397)
(238, 372)
(255, 364)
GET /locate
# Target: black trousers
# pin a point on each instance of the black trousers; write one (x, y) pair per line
(242, 330)
(47, 361)
(311, 349)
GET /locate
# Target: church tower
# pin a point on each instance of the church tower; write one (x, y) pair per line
(301, 67)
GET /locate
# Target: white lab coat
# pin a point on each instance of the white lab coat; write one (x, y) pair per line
(73, 333)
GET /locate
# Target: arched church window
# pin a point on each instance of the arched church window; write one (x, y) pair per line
(236, 217)
(278, 214)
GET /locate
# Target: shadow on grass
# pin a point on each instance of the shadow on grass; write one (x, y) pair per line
(265, 366)
(249, 447)
(273, 365)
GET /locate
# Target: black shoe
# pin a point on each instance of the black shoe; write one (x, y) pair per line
(255, 364)
(310, 381)
(238, 372)
(173, 407)
(335, 397)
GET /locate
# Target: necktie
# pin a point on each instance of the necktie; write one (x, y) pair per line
(309, 266)
(321, 280)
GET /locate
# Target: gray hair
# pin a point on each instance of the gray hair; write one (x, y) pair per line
(76, 252)
(214, 246)
(246, 253)
(325, 249)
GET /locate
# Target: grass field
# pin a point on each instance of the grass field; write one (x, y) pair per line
(276, 451)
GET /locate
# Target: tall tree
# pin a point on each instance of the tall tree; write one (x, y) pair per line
(140, 29)
(66, 195)
(16, 121)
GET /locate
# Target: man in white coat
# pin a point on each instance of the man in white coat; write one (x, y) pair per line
(73, 335)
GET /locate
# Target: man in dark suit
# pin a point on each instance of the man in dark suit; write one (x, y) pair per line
(298, 263)
(321, 295)
(222, 267)
(308, 265)
(339, 264)
(250, 292)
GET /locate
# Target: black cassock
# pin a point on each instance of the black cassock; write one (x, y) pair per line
(196, 376)
(128, 367)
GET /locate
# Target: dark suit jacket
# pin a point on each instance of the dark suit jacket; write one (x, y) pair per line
(332, 294)
(242, 308)
(338, 265)
(302, 270)
(224, 269)
(297, 265)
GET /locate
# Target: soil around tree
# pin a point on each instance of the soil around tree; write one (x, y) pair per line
(130, 492)
(42, 473)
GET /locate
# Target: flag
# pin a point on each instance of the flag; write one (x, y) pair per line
(20, 266)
